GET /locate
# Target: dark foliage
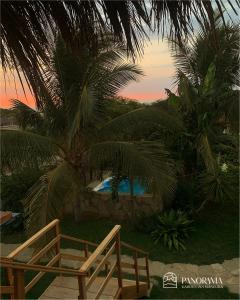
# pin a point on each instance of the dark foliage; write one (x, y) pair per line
(27, 27)
(172, 229)
(15, 186)
(146, 224)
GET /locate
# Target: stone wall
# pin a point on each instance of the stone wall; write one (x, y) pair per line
(100, 205)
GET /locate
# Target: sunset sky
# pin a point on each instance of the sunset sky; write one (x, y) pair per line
(156, 63)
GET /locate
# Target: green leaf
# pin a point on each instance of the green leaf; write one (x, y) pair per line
(47, 197)
(138, 120)
(209, 79)
(21, 149)
(146, 160)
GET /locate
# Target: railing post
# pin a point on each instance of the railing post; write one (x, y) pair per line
(136, 271)
(147, 271)
(9, 275)
(118, 252)
(106, 265)
(19, 286)
(57, 235)
(58, 244)
(82, 287)
(86, 250)
(86, 254)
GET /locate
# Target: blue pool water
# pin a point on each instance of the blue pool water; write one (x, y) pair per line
(124, 187)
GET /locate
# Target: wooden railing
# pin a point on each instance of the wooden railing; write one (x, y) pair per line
(54, 244)
(18, 289)
(137, 268)
(109, 245)
(96, 258)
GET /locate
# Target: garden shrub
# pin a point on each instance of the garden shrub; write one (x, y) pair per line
(172, 229)
(15, 186)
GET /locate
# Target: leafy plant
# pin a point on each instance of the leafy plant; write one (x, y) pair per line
(172, 229)
(26, 43)
(71, 128)
(15, 186)
(207, 102)
(222, 185)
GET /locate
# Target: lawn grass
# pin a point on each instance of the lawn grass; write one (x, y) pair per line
(214, 240)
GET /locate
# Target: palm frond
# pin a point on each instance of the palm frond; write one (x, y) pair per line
(188, 93)
(28, 27)
(112, 80)
(26, 116)
(22, 149)
(140, 118)
(228, 109)
(147, 161)
(84, 112)
(209, 79)
(87, 81)
(218, 46)
(218, 186)
(46, 198)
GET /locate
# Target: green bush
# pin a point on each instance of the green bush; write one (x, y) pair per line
(172, 229)
(220, 185)
(15, 186)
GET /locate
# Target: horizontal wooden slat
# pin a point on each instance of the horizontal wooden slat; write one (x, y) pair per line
(103, 285)
(71, 238)
(133, 248)
(33, 239)
(131, 266)
(29, 267)
(44, 250)
(6, 290)
(79, 258)
(100, 266)
(73, 257)
(103, 245)
(40, 274)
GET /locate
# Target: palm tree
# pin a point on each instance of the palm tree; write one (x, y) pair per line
(27, 27)
(70, 137)
(208, 103)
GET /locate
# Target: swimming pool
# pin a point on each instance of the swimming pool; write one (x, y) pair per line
(123, 187)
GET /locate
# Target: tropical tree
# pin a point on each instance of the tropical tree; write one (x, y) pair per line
(208, 103)
(27, 27)
(69, 133)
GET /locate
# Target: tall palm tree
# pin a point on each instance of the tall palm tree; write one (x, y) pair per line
(69, 134)
(220, 50)
(208, 103)
(27, 27)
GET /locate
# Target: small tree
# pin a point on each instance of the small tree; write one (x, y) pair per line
(71, 132)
